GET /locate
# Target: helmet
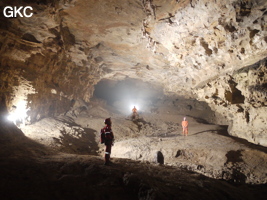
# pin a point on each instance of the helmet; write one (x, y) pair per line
(107, 121)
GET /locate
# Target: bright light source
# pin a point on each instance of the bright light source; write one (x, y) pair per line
(11, 117)
(19, 112)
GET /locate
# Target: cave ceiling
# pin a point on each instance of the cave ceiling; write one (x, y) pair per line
(177, 44)
(210, 50)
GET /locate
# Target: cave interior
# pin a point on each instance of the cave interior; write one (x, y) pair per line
(74, 63)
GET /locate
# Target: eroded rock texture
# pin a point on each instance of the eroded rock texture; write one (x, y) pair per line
(210, 50)
(242, 99)
(36, 56)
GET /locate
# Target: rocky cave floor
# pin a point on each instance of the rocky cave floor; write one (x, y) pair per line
(61, 158)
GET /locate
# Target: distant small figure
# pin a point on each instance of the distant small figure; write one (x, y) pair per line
(135, 114)
(134, 109)
(107, 138)
(185, 127)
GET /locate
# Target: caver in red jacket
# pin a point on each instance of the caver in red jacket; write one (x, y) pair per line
(107, 138)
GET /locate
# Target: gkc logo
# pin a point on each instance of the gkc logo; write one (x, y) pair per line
(14, 12)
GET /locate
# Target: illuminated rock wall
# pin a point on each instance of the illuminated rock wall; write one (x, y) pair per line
(187, 47)
(240, 100)
(37, 70)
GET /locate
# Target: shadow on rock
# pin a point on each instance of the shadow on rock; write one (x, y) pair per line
(77, 140)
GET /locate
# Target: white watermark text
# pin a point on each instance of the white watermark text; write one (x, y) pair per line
(17, 11)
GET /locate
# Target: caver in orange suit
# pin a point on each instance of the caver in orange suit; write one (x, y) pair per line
(185, 126)
(134, 110)
(135, 115)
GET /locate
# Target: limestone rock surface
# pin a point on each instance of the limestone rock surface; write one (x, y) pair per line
(189, 47)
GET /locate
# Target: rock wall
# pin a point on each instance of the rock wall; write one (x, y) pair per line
(242, 99)
(59, 54)
(213, 49)
(202, 39)
(39, 73)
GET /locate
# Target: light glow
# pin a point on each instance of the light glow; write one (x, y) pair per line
(19, 112)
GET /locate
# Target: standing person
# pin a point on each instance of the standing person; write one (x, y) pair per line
(185, 127)
(107, 138)
(134, 110)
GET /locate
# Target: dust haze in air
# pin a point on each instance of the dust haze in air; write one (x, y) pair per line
(125, 94)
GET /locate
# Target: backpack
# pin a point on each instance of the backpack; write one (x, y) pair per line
(102, 136)
(106, 136)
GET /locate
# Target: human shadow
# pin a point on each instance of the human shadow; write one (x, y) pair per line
(159, 158)
(77, 140)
